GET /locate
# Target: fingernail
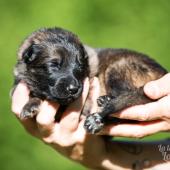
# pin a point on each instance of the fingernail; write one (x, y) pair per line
(151, 89)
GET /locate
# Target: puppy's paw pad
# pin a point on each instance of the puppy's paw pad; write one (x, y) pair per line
(103, 101)
(93, 123)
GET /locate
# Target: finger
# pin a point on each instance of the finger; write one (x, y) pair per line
(94, 93)
(31, 127)
(20, 98)
(80, 133)
(46, 117)
(70, 118)
(136, 130)
(158, 88)
(147, 112)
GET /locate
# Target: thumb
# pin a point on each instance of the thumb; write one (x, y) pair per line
(158, 88)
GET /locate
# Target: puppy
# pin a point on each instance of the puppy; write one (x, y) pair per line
(54, 63)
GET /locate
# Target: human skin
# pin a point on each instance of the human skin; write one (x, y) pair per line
(153, 117)
(93, 151)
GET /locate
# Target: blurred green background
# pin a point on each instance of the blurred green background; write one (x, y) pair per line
(142, 25)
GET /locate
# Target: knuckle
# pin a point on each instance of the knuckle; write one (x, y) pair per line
(15, 110)
(65, 140)
(52, 139)
(144, 116)
(43, 124)
(165, 108)
(64, 143)
(165, 127)
(48, 140)
(42, 121)
(138, 134)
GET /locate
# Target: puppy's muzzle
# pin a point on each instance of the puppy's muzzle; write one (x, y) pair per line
(66, 90)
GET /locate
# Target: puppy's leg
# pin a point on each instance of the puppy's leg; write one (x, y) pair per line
(31, 108)
(123, 80)
(95, 122)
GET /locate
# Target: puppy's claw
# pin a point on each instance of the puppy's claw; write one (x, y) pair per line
(29, 113)
(102, 101)
(93, 123)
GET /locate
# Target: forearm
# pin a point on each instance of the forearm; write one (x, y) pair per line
(137, 155)
(122, 155)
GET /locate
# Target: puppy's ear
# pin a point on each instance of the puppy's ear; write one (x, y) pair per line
(93, 60)
(35, 38)
(26, 44)
(23, 48)
(83, 55)
(31, 53)
(90, 52)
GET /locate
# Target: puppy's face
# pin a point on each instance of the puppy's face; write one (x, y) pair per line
(55, 65)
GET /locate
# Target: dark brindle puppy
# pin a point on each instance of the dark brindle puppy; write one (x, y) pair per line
(54, 63)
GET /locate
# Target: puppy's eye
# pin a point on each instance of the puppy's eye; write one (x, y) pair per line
(56, 64)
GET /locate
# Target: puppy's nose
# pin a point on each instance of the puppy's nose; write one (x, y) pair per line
(73, 89)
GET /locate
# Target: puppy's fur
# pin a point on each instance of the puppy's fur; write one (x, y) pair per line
(53, 63)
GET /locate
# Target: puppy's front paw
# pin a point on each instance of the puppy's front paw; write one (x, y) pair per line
(93, 123)
(102, 101)
(30, 109)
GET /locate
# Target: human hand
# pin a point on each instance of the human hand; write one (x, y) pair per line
(67, 136)
(153, 117)
(70, 139)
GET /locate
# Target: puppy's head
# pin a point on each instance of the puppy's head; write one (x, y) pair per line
(53, 63)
